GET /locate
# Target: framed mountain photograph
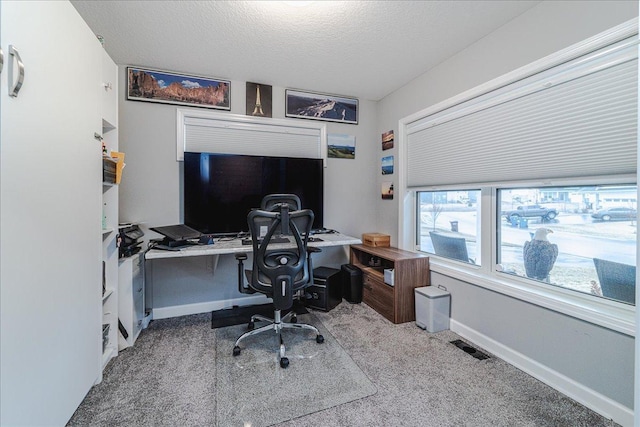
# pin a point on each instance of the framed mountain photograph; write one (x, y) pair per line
(180, 89)
(317, 106)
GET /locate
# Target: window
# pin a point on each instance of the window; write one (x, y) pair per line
(448, 224)
(579, 238)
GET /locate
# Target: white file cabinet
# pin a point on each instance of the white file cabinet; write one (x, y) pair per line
(131, 298)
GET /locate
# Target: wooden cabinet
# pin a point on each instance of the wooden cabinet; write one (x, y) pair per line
(411, 270)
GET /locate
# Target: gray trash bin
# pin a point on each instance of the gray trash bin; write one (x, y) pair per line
(432, 308)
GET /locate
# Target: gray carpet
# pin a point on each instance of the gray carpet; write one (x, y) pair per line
(165, 379)
(252, 388)
(169, 379)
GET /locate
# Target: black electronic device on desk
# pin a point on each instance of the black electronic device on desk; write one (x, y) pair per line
(128, 243)
(179, 236)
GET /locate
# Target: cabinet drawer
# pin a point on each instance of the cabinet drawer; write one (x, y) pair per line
(378, 295)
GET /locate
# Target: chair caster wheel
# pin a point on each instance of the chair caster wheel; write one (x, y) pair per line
(294, 319)
(319, 339)
(251, 325)
(284, 362)
(236, 351)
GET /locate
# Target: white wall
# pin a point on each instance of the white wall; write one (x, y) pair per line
(597, 362)
(151, 192)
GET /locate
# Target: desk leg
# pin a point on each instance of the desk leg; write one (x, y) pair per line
(148, 290)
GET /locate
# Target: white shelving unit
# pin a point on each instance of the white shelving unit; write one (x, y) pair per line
(131, 298)
(109, 108)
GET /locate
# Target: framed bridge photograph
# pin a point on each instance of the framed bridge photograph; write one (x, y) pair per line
(180, 89)
(317, 106)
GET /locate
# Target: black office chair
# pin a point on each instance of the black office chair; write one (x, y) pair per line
(271, 201)
(268, 203)
(280, 271)
(617, 281)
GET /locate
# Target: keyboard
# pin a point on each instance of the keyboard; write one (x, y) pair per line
(273, 240)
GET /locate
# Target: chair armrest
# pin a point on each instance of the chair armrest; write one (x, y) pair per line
(241, 286)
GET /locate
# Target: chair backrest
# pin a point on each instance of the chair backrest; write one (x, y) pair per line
(617, 281)
(279, 271)
(450, 246)
(270, 201)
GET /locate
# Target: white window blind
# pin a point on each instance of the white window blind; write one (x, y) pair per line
(577, 119)
(230, 134)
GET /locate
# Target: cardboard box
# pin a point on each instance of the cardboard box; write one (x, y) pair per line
(119, 158)
(377, 240)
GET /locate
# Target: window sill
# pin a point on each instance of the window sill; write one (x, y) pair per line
(598, 311)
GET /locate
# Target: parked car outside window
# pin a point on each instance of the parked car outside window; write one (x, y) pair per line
(615, 214)
(529, 211)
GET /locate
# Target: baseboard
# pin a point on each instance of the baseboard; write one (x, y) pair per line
(593, 400)
(206, 307)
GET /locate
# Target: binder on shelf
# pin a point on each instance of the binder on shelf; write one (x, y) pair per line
(109, 167)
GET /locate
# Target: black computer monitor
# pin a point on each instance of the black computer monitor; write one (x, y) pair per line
(221, 189)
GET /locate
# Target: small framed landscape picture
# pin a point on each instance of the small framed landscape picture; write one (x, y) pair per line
(387, 165)
(317, 106)
(387, 190)
(180, 89)
(387, 140)
(341, 146)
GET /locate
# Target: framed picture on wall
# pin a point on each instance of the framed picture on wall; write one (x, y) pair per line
(387, 165)
(341, 146)
(317, 106)
(180, 89)
(387, 140)
(259, 100)
(387, 190)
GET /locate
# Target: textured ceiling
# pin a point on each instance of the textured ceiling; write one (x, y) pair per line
(364, 49)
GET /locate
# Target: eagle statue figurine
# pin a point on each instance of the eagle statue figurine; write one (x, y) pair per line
(539, 255)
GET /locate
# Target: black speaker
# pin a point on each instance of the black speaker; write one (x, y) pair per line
(351, 283)
(326, 291)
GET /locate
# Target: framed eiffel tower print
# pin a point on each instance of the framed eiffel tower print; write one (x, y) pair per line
(259, 100)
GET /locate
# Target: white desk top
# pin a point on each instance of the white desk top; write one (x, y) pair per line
(234, 246)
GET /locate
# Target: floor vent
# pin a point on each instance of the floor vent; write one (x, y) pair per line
(470, 349)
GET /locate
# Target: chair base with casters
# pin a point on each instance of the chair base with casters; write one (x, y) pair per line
(277, 324)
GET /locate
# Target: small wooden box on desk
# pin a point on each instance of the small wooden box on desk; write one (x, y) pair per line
(411, 270)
